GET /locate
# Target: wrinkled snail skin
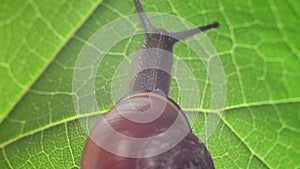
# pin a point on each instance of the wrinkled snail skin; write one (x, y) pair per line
(189, 153)
(160, 42)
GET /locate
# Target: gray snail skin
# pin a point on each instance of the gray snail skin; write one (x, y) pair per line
(189, 153)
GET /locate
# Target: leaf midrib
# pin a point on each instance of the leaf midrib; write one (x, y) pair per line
(69, 36)
(78, 116)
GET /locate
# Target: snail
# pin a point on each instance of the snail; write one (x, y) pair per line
(147, 112)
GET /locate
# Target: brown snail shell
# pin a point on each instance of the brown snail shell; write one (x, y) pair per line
(189, 153)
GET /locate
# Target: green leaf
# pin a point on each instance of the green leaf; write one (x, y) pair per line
(257, 43)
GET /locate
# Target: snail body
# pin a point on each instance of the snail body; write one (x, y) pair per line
(147, 115)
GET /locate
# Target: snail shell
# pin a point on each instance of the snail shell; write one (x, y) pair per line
(188, 153)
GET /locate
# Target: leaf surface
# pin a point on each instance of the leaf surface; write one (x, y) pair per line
(257, 44)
